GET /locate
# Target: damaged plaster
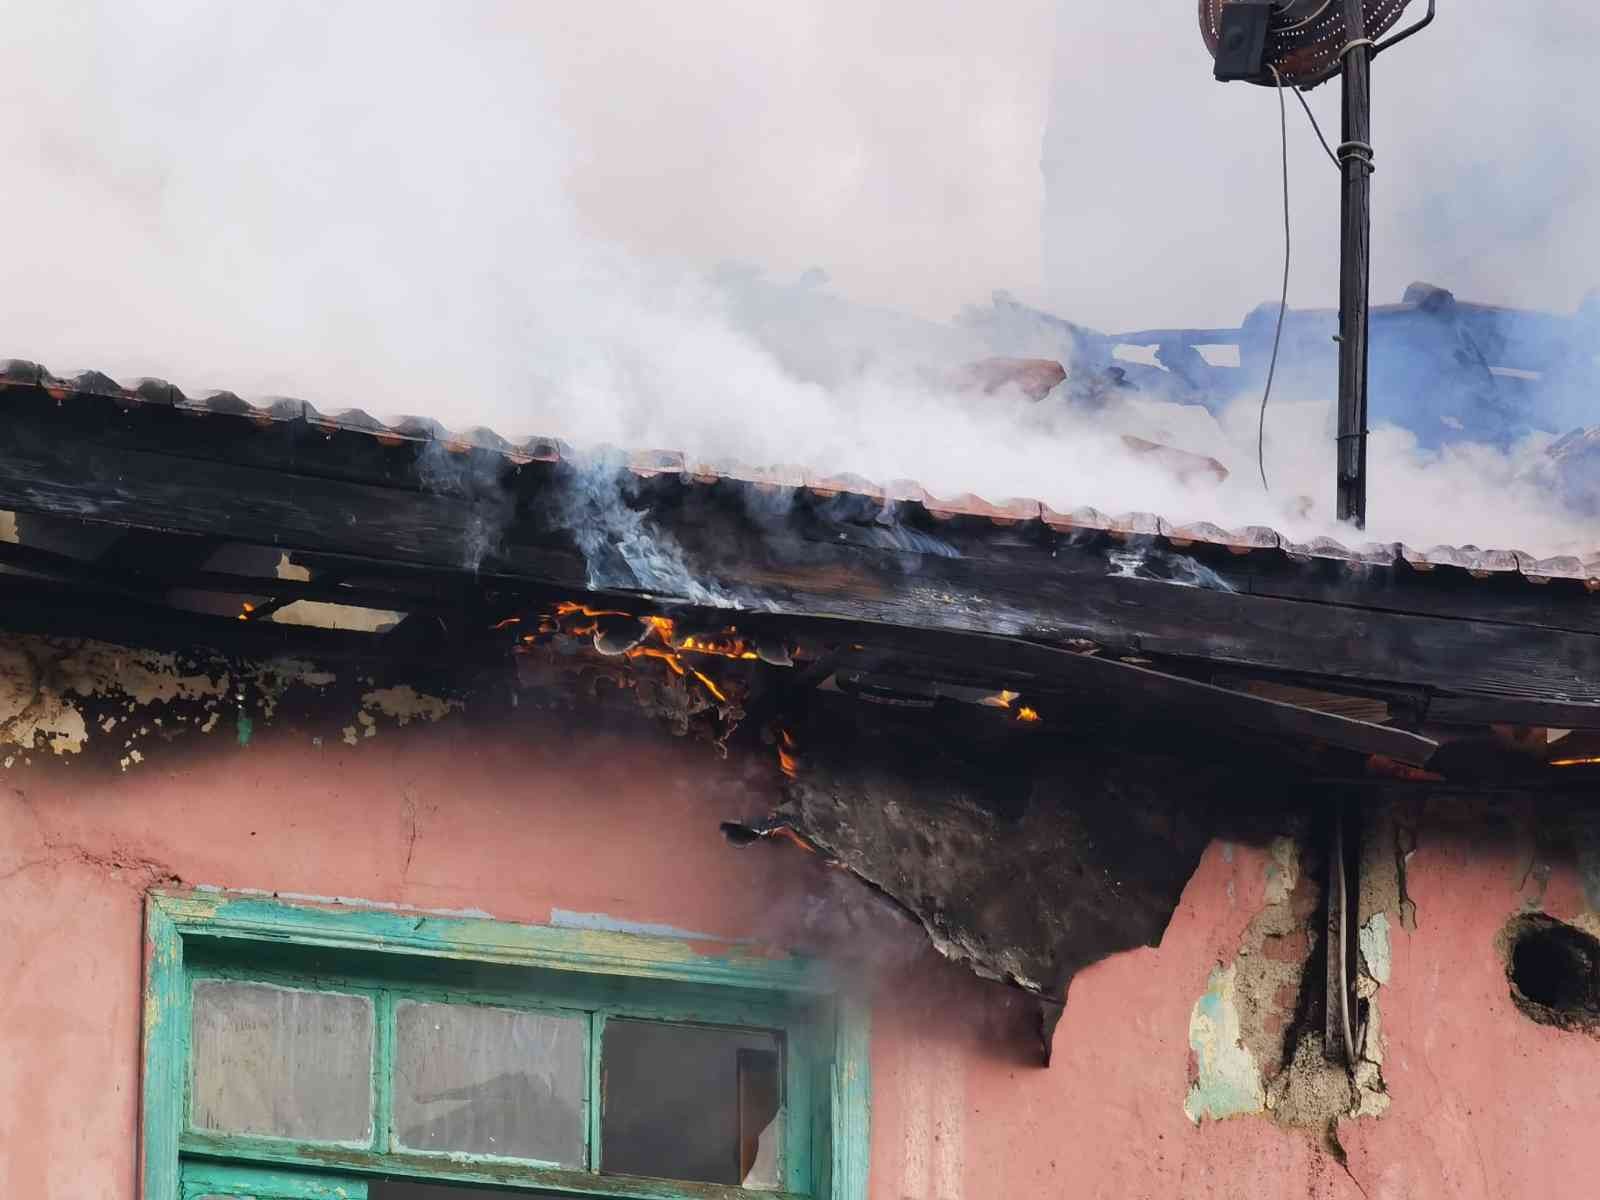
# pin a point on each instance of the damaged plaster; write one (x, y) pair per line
(60, 696)
(1026, 875)
(45, 682)
(1225, 1078)
(404, 704)
(1256, 1033)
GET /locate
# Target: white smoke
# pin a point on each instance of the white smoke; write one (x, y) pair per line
(511, 215)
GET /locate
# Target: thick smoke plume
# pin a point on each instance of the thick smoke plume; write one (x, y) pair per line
(508, 214)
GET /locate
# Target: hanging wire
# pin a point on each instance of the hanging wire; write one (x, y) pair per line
(1283, 300)
(1317, 129)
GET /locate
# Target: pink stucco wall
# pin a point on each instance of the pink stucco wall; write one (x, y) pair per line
(518, 821)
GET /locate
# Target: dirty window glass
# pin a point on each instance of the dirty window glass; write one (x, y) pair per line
(480, 1080)
(281, 1061)
(693, 1103)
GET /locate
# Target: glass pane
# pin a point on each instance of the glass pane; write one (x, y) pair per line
(687, 1102)
(481, 1080)
(281, 1061)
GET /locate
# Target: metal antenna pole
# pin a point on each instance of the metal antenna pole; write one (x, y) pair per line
(1355, 157)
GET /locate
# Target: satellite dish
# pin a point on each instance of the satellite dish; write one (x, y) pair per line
(1302, 39)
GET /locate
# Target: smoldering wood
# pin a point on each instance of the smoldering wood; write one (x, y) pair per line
(334, 492)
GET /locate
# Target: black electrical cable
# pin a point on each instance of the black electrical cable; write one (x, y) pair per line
(1283, 300)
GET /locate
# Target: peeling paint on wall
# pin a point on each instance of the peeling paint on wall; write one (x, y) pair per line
(1226, 1080)
(59, 695)
(404, 704)
(567, 919)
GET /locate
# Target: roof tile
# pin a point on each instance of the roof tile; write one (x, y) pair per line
(829, 486)
(1079, 520)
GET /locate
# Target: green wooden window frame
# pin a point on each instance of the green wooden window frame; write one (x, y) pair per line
(393, 955)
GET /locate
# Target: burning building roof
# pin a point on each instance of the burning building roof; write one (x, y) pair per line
(887, 643)
(156, 399)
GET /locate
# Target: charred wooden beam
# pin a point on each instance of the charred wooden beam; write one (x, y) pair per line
(823, 559)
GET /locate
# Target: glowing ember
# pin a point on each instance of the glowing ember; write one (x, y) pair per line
(1593, 761)
(507, 623)
(567, 608)
(711, 687)
(786, 755)
(660, 640)
(1027, 714)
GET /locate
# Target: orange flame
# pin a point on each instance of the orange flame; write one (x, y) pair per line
(786, 754)
(1001, 699)
(1027, 714)
(1589, 761)
(566, 608)
(668, 647)
(710, 687)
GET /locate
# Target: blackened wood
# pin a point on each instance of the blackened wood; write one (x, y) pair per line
(1049, 594)
(1504, 710)
(1093, 676)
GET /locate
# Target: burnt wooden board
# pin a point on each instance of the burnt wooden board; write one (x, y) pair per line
(785, 564)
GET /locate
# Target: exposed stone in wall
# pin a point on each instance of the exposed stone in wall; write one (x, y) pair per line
(1256, 1033)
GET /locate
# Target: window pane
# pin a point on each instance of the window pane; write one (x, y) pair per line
(280, 1061)
(490, 1081)
(687, 1102)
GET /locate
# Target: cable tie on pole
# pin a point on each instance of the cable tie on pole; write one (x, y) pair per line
(1353, 43)
(1362, 152)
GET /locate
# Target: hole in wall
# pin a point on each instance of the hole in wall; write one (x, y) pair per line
(1554, 971)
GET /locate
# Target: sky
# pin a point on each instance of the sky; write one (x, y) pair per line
(515, 214)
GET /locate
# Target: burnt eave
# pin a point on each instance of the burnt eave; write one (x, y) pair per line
(450, 526)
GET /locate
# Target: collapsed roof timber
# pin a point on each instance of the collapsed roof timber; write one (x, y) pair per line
(953, 687)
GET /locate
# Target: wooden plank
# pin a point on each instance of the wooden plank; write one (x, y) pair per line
(164, 1048)
(1172, 695)
(138, 581)
(1041, 597)
(1142, 617)
(255, 1183)
(1502, 710)
(851, 1080)
(1511, 599)
(351, 926)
